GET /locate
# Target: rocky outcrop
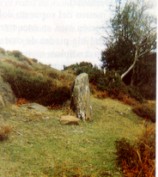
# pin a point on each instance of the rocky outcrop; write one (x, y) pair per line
(6, 94)
(80, 101)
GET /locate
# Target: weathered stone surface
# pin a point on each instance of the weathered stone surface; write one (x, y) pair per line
(69, 120)
(35, 106)
(6, 93)
(80, 101)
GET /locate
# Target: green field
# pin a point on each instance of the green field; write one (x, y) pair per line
(39, 146)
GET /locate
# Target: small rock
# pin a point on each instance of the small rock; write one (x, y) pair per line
(69, 120)
(35, 106)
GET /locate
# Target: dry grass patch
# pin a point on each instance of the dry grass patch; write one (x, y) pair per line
(147, 111)
(137, 159)
(5, 130)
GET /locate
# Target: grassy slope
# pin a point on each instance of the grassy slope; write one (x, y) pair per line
(40, 146)
(32, 66)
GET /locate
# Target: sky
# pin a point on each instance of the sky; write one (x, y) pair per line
(56, 32)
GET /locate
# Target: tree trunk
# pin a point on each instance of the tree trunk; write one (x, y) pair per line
(131, 67)
(132, 77)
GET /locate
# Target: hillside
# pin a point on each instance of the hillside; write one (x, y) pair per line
(34, 143)
(40, 146)
(32, 80)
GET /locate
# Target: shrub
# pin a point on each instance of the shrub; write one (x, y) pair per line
(137, 159)
(127, 99)
(147, 111)
(110, 82)
(55, 97)
(21, 101)
(4, 132)
(135, 93)
(2, 51)
(18, 55)
(101, 95)
(35, 87)
(25, 84)
(18, 64)
(34, 60)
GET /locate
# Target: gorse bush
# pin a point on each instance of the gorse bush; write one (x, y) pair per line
(146, 110)
(137, 159)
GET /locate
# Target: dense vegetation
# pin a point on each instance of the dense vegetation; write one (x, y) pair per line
(34, 81)
(137, 159)
(130, 46)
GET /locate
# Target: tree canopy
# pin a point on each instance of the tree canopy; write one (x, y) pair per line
(133, 36)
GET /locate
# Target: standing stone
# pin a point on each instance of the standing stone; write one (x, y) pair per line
(80, 102)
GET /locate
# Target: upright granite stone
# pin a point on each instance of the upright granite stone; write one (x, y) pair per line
(80, 101)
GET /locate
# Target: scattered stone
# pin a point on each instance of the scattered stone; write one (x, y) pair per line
(69, 120)
(80, 101)
(35, 106)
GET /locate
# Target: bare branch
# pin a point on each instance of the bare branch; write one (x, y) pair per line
(132, 66)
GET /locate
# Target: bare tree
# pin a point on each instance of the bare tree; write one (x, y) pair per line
(142, 29)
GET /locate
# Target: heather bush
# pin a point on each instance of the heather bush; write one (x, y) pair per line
(4, 132)
(18, 55)
(137, 159)
(18, 64)
(35, 87)
(146, 110)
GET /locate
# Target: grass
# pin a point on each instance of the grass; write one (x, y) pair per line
(39, 146)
